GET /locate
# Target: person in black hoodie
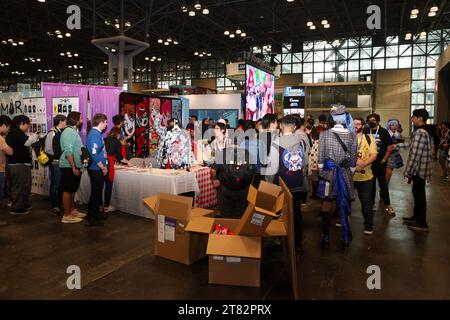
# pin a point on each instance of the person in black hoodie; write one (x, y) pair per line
(19, 164)
(288, 153)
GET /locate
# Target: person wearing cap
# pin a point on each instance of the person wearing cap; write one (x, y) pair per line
(337, 162)
(53, 149)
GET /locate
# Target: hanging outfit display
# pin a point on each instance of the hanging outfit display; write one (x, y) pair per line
(174, 150)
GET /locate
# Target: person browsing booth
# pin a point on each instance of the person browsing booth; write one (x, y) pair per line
(97, 170)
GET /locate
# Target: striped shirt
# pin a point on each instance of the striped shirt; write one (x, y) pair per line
(420, 159)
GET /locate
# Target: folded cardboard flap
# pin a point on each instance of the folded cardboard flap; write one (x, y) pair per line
(276, 228)
(234, 246)
(200, 225)
(174, 206)
(151, 202)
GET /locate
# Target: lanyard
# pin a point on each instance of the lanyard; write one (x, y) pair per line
(376, 133)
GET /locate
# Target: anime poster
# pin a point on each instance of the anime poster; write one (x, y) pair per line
(142, 127)
(166, 110)
(177, 112)
(128, 111)
(259, 93)
(155, 110)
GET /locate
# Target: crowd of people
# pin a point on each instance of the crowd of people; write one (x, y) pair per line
(334, 161)
(68, 159)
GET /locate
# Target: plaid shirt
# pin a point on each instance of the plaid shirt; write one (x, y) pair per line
(420, 159)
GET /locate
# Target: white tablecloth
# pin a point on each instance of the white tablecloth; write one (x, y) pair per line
(131, 187)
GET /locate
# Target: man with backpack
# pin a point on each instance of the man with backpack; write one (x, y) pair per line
(53, 150)
(289, 153)
(233, 168)
(363, 178)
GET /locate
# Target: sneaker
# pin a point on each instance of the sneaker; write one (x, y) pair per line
(305, 205)
(78, 214)
(110, 209)
(3, 224)
(409, 219)
(338, 225)
(368, 231)
(418, 227)
(19, 212)
(28, 208)
(93, 223)
(71, 219)
(56, 212)
(9, 204)
(390, 211)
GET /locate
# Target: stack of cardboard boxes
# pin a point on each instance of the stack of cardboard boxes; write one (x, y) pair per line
(185, 234)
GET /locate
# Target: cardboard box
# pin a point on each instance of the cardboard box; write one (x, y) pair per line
(263, 205)
(234, 260)
(173, 242)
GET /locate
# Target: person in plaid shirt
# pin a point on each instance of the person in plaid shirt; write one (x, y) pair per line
(419, 169)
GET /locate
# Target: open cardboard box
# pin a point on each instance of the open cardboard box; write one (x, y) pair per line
(236, 259)
(173, 241)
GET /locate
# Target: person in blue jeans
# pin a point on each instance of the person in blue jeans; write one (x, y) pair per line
(53, 149)
(97, 170)
(5, 125)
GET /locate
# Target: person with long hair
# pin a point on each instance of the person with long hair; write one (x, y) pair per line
(113, 147)
(395, 160)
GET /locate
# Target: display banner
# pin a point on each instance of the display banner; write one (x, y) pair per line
(11, 104)
(35, 109)
(65, 105)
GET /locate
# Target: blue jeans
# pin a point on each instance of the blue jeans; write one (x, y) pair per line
(365, 194)
(56, 187)
(2, 186)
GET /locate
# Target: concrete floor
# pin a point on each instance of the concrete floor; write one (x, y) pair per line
(117, 260)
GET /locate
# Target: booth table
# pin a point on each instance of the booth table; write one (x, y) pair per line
(132, 185)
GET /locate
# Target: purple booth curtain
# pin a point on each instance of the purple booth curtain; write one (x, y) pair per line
(103, 99)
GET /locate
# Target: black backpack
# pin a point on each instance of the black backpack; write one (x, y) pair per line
(236, 173)
(56, 144)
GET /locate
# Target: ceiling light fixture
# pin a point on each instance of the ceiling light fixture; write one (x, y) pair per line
(175, 42)
(434, 8)
(205, 11)
(184, 9)
(68, 35)
(408, 36)
(238, 31)
(243, 34)
(324, 22)
(232, 35)
(415, 11)
(309, 24)
(60, 36)
(423, 35)
(327, 26)
(312, 27)
(227, 33)
(192, 13)
(432, 13)
(159, 59)
(413, 16)
(198, 6)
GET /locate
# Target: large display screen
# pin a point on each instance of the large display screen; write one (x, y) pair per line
(294, 98)
(259, 93)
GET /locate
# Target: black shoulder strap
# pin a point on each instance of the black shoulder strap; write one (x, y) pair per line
(341, 142)
(367, 138)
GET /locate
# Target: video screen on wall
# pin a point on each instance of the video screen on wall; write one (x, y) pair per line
(259, 93)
